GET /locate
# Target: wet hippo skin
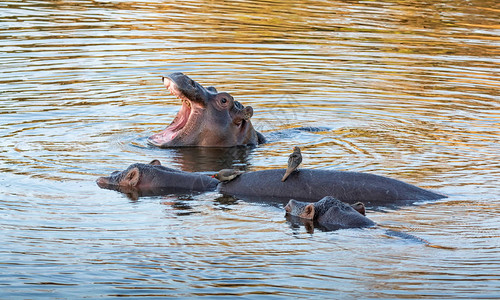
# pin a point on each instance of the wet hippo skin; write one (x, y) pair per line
(329, 212)
(305, 184)
(154, 176)
(207, 118)
(310, 184)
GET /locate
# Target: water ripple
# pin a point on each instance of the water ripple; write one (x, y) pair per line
(407, 90)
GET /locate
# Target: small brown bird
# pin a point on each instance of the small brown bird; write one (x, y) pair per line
(294, 161)
(227, 174)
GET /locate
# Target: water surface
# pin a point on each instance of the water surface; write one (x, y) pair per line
(408, 90)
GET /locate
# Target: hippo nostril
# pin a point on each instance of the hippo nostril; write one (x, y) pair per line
(162, 79)
(102, 182)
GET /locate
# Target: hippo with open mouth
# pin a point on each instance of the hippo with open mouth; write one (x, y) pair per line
(207, 118)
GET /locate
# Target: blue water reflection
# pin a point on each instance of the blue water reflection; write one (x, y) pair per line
(406, 90)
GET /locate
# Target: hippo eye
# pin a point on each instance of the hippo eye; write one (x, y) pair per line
(223, 101)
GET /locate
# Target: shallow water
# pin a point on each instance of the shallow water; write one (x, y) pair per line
(407, 90)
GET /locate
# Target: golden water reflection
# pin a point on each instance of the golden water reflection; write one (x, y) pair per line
(404, 89)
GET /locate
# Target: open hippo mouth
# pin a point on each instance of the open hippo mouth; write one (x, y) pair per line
(191, 102)
(206, 118)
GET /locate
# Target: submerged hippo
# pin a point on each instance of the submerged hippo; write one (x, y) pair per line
(154, 177)
(330, 213)
(207, 118)
(305, 184)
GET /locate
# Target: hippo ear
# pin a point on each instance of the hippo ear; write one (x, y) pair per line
(308, 212)
(212, 89)
(132, 178)
(155, 162)
(359, 207)
(247, 113)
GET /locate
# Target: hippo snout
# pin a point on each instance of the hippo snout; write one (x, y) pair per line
(102, 182)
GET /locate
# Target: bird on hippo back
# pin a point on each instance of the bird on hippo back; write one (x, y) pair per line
(207, 118)
(266, 185)
(294, 161)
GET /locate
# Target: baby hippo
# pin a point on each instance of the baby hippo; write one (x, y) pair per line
(330, 213)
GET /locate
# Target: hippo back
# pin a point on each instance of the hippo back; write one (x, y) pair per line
(311, 185)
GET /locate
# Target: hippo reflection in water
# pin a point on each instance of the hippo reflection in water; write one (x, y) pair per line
(206, 118)
(307, 184)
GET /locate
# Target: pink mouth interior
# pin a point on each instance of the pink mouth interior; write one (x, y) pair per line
(178, 123)
(175, 127)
